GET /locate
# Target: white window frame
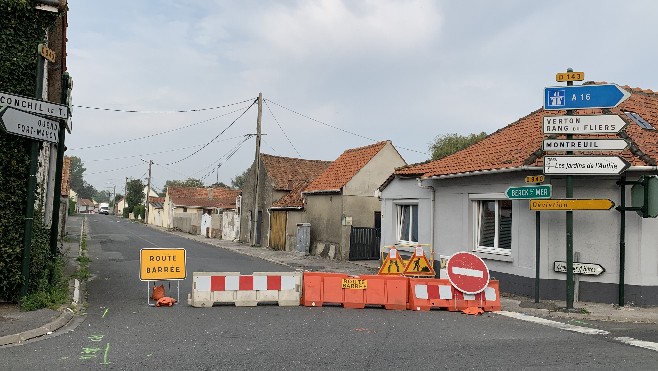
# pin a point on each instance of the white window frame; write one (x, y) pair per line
(477, 200)
(398, 222)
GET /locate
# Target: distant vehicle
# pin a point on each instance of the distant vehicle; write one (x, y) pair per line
(104, 208)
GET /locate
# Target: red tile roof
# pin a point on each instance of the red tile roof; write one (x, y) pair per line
(519, 144)
(218, 197)
(293, 200)
(344, 168)
(284, 172)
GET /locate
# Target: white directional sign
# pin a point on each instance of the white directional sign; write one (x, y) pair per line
(584, 165)
(29, 125)
(34, 105)
(553, 145)
(579, 268)
(600, 124)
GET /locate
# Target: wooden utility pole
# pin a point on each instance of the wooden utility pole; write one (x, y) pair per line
(256, 234)
(148, 190)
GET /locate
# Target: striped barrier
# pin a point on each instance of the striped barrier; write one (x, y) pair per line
(390, 292)
(426, 294)
(209, 288)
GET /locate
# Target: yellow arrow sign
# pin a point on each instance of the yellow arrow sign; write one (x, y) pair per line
(599, 204)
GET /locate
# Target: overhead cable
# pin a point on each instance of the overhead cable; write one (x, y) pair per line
(284, 133)
(174, 111)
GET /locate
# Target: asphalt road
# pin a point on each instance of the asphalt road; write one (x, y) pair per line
(121, 332)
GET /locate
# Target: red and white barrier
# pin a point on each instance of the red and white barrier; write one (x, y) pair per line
(208, 288)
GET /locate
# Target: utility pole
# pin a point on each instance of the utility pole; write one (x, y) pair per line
(256, 232)
(148, 190)
(125, 197)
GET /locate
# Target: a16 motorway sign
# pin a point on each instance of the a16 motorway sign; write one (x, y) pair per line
(584, 96)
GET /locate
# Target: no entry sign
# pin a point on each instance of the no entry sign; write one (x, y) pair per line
(468, 273)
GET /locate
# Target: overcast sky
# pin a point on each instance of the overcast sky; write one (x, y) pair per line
(335, 75)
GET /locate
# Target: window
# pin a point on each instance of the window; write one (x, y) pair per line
(493, 226)
(407, 223)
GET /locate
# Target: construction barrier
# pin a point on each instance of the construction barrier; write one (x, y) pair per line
(426, 294)
(390, 292)
(209, 288)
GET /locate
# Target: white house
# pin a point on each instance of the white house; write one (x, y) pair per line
(459, 203)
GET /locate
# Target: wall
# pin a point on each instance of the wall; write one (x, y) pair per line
(596, 235)
(293, 217)
(230, 225)
(324, 213)
(265, 197)
(184, 223)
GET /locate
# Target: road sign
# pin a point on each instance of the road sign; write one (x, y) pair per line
(579, 268)
(34, 105)
(29, 125)
(553, 145)
(393, 264)
(584, 96)
(418, 264)
(584, 165)
(569, 76)
(529, 192)
(162, 264)
(354, 283)
(584, 124)
(468, 273)
(571, 204)
(47, 53)
(534, 179)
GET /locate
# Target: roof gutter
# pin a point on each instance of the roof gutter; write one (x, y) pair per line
(487, 172)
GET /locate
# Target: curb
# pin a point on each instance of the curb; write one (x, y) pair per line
(59, 322)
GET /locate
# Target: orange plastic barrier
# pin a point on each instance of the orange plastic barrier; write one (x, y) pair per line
(426, 294)
(319, 289)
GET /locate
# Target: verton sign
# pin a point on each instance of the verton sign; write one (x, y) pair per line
(162, 264)
(601, 124)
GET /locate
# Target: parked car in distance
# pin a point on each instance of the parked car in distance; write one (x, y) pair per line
(104, 208)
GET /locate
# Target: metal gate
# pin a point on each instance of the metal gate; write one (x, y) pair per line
(364, 243)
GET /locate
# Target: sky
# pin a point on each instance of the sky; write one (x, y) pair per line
(173, 81)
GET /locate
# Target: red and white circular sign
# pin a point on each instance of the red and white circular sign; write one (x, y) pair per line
(467, 273)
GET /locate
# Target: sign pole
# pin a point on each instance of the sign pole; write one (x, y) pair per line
(569, 224)
(537, 252)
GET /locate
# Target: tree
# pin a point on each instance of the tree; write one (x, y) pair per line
(135, 193)
(219, 184)
(189, 182)
(86, 191)
(77, 174)
(239, 180)
(447, 144)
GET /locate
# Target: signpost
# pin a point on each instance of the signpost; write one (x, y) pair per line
(584, 165)
(554, 145)
(32, 105)
(602, 124)
(29, 125)
(572, 204)
(579, 268)
(584, 96)
(529, 192)
(468, 273)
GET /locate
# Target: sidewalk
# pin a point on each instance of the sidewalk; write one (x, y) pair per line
(16, 326)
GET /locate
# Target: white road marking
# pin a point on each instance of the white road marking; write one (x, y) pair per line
(638, 343)
(548, 322)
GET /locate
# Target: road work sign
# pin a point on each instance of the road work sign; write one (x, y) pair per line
(162, 264)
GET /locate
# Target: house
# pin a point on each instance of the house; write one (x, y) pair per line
(156, 212)
(85, 206)
(343, 197)
(459, 203)
(278, 177)
(185, 208)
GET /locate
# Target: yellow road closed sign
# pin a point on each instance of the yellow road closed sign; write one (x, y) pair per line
(355, 284)
(570, 204)
(162, 264)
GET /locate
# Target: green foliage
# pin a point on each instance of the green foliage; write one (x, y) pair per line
(190, 182)
(72, 207)
(22, 28)
(139, 211)
(135, 194)
(77, 173)
(238, 181)
(126, 213)
(447, 144)
(220, 185)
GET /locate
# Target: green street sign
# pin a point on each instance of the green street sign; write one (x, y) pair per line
(529, 192)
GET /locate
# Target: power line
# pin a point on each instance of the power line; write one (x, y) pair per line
(217, 136)
(228, 157)
(156, 134)
(284, 133)
(175, 111)
(337, 128)
(113, 170)
(245, 138)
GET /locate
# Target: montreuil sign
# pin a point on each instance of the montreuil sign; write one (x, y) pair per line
(584, 165)
(555, 145)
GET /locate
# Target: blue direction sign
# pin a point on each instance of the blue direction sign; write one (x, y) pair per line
(529, 192)
(583, 96)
